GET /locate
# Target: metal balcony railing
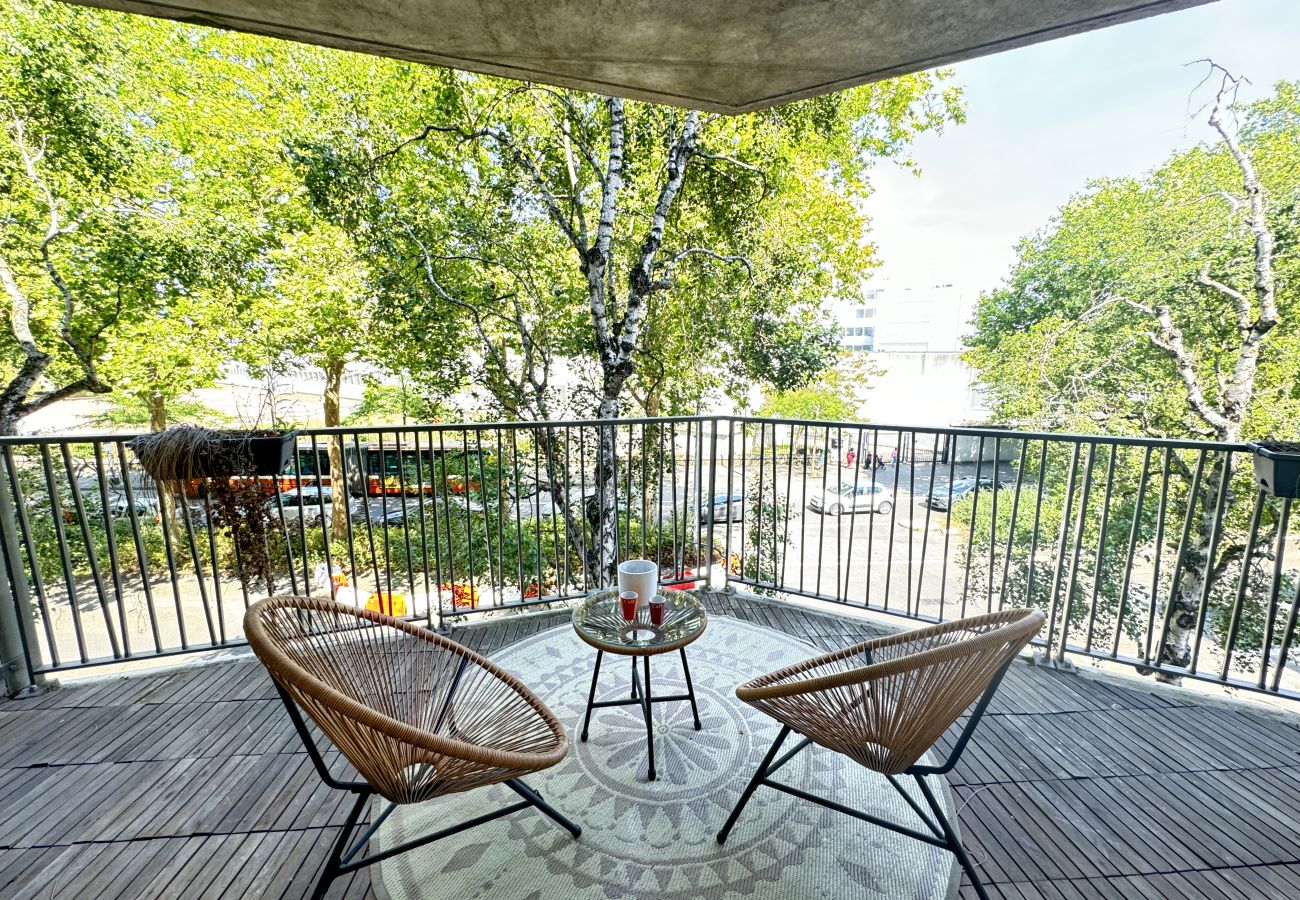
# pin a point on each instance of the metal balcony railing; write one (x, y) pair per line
(1157, 554)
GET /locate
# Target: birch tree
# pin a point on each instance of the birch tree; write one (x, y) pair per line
(1164, 306)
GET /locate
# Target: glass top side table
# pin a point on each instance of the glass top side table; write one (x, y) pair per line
(599, 621)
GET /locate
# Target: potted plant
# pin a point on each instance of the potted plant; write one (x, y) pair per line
(1277, 467)
(188, 458)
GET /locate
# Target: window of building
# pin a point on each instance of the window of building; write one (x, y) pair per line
(860, 312)
(874, 293)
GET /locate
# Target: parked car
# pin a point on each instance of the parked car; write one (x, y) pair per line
(304, 503)
(942, 496)
(395, 511)
(725, 509)
(836, 500)
(145, 507)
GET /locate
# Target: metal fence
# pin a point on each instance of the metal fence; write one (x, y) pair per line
(1156, 554)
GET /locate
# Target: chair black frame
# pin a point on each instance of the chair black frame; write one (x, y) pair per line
(941, 834)
(342, 858)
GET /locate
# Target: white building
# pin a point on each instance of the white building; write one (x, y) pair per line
(914, 335)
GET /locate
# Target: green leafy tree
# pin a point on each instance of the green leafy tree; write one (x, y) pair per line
(1165, 306)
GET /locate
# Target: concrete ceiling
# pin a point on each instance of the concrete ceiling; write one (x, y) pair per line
(727, 56)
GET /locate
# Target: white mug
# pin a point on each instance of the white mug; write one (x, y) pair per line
(640, 576)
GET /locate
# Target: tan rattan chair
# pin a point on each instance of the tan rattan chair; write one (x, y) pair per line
(885, 702)
(416, 714)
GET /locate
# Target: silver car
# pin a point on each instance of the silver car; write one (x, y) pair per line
(836, 500)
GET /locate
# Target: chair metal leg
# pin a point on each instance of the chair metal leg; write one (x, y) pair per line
(754, 782)
(950, 835)
(591, 697)
(536, 800)
(690, 689)
(331, 870)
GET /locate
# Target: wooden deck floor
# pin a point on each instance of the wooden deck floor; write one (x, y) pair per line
(192, 783)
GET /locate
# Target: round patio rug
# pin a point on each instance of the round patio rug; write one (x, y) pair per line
(656, 839)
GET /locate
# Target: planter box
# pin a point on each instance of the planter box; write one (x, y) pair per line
(258, 454)
(1277, 467)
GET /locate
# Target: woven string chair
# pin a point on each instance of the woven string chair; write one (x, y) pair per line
(884, 703)
(416, 714)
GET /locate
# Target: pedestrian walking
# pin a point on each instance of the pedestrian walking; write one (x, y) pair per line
(850, 457)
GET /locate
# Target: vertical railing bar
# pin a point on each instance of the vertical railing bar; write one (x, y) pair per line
(821, 522)
(713, 483)
(1101, 546)
(659, 495)
(327, 523)
(387, 585)
(645, 494)
(289, 551)
(83, 524)
(424, 506)
(302, 518)
(789, 488)
(406, 516)
(1038, 517)
(1242, 583)
(363, 461)
(1079, 526)
(582, 475)
(346, 483)
(1134, 532)
(756, 531)
(1275, 590)
(1058, 565)
(561, 552)
(537, 521)
(842, 589)
(970, 531)
(871, 520)
(469, 527)
(56, 514)
(217, 598)
(993, 528)
(1287, 636)
(519, 520)
(744, 490)
(925, 534)
(726, 522)
(911, 532)
(893, 514)
(29, 546)
(1011, 527)
(111, 539)
(1188, 518)
(1216, 532)
(1158, 554)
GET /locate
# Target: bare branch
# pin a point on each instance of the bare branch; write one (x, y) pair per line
(1169, 337)
(666, 280)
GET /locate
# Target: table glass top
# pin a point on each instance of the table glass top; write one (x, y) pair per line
(599, 620)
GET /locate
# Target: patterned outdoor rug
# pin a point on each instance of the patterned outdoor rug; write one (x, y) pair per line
(655, 839)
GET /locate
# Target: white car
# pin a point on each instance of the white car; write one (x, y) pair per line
(836, 500)
(304, 503)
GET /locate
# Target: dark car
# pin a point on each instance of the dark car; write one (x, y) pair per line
(725, 508)
(943, 496)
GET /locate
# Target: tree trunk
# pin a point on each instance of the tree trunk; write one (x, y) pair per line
(339, 489)
(157, 411)
(1197, 566)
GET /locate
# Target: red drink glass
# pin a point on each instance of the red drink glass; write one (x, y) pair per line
(658, 606)
(628, 600)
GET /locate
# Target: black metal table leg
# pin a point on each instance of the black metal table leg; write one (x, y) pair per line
(646, 701)
(591, 697)
(690, 689)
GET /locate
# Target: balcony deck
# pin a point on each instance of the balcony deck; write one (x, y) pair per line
(192, 783)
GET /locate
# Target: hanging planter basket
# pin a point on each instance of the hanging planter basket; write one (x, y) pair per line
(1277, 467)
(184, 452)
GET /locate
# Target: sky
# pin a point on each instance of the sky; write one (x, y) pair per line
(1044, 120)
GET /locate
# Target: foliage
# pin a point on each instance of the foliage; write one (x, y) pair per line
(837, 396)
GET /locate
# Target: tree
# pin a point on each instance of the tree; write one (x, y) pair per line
(1163, 306)
(648, 250)
(85, 208)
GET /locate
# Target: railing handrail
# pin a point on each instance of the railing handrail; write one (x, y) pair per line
(1010, 434)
